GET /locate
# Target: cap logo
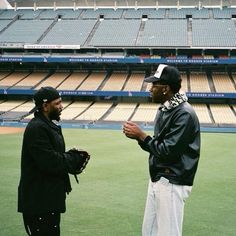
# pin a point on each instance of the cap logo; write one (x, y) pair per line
(159, 70)
(45, 100)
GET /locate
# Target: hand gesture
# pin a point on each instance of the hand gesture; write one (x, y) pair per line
(133, 131)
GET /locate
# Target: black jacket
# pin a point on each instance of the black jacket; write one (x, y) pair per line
(175, 148)
(45, 166)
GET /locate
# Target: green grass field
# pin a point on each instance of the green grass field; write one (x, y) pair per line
(110, 199)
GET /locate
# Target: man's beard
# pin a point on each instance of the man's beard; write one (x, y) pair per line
(156, 99)
(54, 115)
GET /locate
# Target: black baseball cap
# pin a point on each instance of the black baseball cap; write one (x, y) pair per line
(45, 94)
(167, 74)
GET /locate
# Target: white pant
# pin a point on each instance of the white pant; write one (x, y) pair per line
(164, 209)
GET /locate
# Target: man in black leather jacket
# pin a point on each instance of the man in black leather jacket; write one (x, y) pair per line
(45, 166)
(174, 152)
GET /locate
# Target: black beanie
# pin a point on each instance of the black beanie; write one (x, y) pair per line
(45, 94)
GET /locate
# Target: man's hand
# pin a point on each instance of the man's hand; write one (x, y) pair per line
(133, 131)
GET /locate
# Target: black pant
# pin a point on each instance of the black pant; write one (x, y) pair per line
(42, 225)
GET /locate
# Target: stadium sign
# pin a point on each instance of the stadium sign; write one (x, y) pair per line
(50, 46)
(210, 95)
(193, 61)
(12, 45)
(110, 94)
(124, 60)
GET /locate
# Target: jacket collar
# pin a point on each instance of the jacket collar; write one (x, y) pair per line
(48, 122)
(175, 101)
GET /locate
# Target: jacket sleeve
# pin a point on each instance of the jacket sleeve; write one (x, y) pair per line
(46, 158)
(174, 141)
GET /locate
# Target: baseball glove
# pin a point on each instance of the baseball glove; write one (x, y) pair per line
(83, 160)
(78, 161)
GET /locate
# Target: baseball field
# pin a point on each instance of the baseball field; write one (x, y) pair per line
(110, 199)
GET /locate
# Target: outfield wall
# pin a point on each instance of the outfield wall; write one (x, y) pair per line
(79, 125)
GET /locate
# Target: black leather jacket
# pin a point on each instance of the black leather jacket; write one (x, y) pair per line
(45, 166)
(175, 147)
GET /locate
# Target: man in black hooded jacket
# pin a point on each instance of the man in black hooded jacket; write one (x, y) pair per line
(45, 165)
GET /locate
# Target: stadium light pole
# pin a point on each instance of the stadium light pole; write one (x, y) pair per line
(157, 5)
(35, 6)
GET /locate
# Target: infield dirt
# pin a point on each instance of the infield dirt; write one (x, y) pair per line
(10, 130)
